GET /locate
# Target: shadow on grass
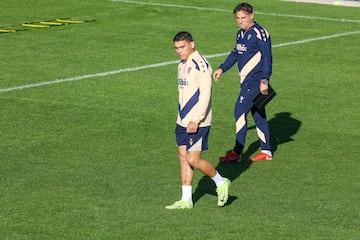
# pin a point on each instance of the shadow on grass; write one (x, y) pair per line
(282, 128)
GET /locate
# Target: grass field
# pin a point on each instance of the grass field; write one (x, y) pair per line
(87, 117)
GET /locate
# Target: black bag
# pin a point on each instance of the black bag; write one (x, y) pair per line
(261, 100)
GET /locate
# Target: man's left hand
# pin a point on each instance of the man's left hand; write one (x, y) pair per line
(264, 86)
(192, 127)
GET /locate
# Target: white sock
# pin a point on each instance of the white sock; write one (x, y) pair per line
(267, 152)
(218, 179)
(186, 193)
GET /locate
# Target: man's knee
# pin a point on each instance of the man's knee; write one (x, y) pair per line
(193, 158)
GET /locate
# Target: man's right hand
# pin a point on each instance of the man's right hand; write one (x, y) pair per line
(217, 74)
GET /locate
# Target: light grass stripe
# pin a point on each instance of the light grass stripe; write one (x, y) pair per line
(230, 11)
(156, 65)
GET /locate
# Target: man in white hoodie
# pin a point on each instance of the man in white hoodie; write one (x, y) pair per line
(194, 121)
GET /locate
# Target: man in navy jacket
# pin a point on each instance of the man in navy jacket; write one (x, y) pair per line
(252, 53)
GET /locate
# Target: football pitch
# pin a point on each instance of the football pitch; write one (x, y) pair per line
(88, 112)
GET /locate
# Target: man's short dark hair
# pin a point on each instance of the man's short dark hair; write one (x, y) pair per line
(181, 36)
(243, 7)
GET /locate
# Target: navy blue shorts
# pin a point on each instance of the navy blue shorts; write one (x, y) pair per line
(193, 141)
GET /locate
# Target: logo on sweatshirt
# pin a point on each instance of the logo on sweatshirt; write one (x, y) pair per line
(241, 48)
(183, 83)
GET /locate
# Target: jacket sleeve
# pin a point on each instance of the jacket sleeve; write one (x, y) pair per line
(229, 61)
(265, 48)
(205, 83)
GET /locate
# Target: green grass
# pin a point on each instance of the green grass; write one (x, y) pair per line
(96, 158)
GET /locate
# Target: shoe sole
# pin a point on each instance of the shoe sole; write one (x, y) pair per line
(260, 160)
(176, 208)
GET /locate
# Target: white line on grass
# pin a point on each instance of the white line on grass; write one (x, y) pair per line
(155, 65)
(71, 79)
(227, 10)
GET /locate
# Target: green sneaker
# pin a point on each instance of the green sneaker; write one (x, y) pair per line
(223, 192)
(181, 204)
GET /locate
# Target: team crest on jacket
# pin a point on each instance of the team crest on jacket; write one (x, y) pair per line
(249, 37)
(189, 70)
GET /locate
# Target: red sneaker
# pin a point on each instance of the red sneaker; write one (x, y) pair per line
(231, 157)
(261, 156)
